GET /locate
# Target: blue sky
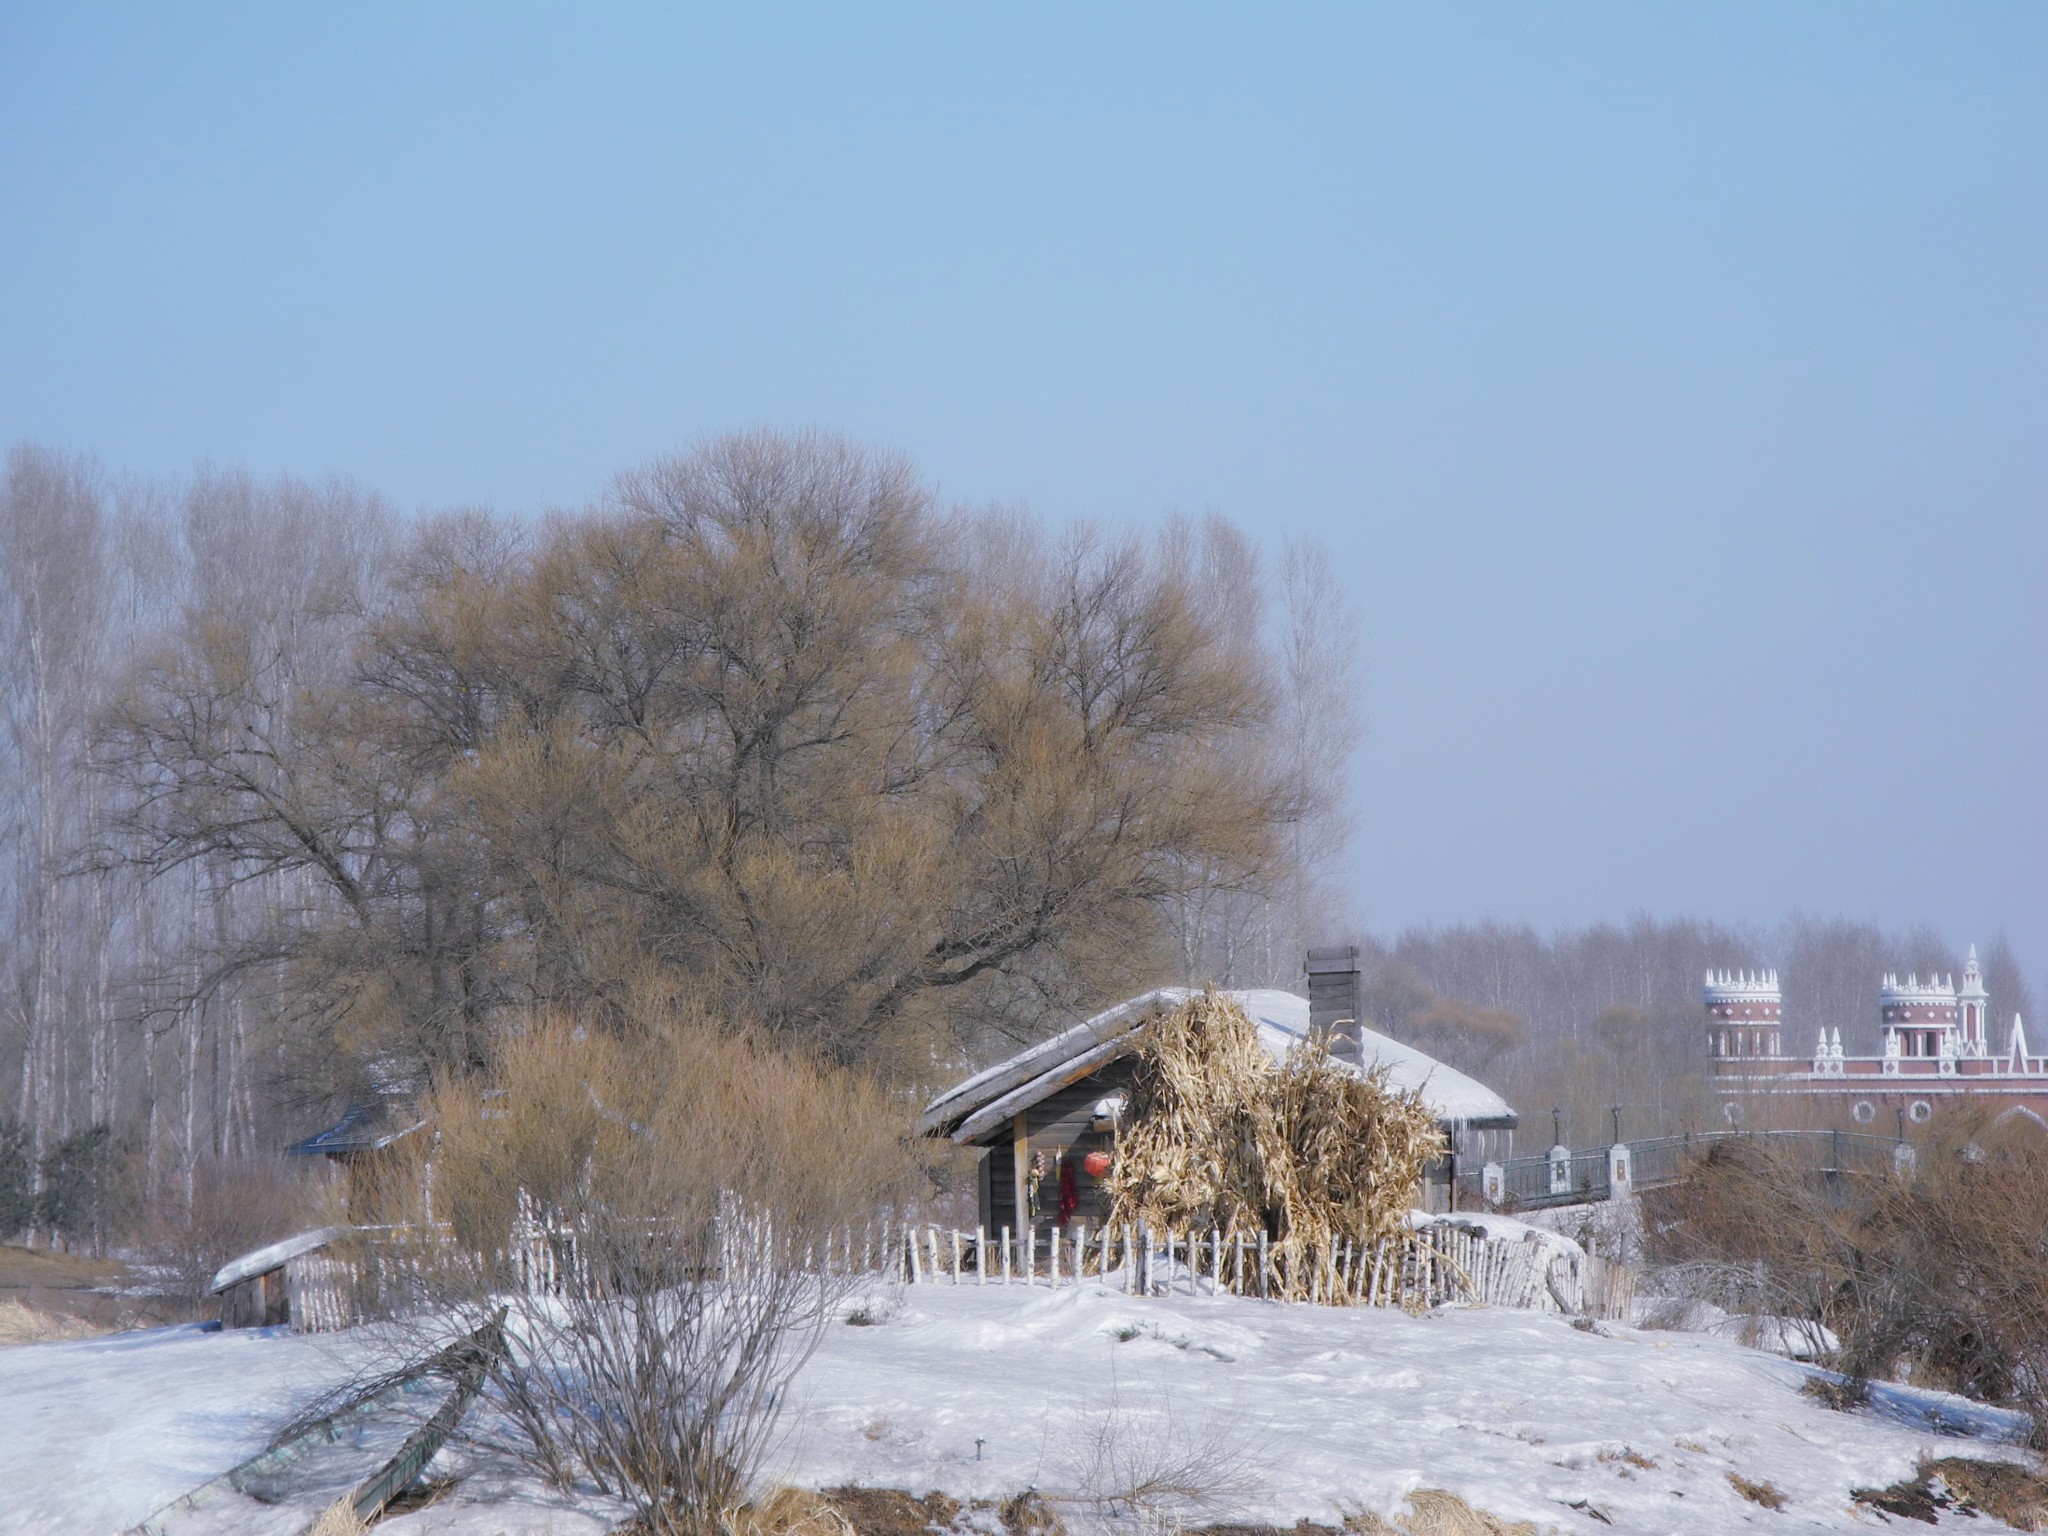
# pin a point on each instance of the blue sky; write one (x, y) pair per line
(1671, 382)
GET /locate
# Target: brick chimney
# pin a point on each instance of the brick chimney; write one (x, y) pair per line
(1334, 998)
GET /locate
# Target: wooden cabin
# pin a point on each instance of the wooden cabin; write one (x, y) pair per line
(360, 1144)
(1037, 1116)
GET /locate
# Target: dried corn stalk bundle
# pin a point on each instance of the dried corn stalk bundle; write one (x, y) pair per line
(1217, 1137)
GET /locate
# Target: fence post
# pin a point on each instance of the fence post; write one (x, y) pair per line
(1006, 1256)
(1264, 1290)
(1560, 1169)
(1493, 1184)
(1620, 1175)
(981, 1255)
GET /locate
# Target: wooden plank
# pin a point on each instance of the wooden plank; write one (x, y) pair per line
(1020, 1170)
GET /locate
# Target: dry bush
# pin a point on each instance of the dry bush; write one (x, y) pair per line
(1156, 1467)
(236, 1205)
(658, 1210)
(1944, 1274)
(1952, 1272)
(1218, 1137)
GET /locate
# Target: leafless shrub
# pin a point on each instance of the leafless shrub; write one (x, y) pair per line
(1155, 1468)
(661, 1212)
(236, 1205)
(1944, 1274)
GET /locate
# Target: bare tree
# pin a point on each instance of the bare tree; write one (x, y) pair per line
(52, 597)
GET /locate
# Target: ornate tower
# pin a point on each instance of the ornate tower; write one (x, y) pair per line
(1919, 1017)
(1973, 1007)
(1743, 1015)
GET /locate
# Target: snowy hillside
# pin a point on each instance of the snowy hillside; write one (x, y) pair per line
(1314, 1412)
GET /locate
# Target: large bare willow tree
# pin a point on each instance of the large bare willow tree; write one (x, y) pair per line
(861, 772)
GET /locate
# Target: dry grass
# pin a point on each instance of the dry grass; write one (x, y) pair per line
(2001, 1489)
(1434, 1512)
(22, 1268)
(27, 1325)
(1217, 1137)
(800, 1512)
(338, 1519)
(1757, 1493)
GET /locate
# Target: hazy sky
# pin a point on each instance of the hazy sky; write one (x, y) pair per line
(1671, 382)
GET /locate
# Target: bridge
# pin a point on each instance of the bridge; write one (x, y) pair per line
(1562, 1176)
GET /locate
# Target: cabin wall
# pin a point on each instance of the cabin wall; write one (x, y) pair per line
(1059, 1124)
(260, 1301)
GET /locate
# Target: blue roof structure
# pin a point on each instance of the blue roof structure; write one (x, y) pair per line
(365, 1128)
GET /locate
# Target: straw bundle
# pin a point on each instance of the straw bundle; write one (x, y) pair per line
(1216, 1137)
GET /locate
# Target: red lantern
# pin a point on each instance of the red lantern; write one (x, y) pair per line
(1097, 1164)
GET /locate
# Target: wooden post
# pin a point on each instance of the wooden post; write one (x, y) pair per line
(1020, 1170)
(956, 1255)
(910, 1236)
(981, 1255)
(1054, 1240)
(1263, 1290)
(1081, 1252)
(1130, 1264)
(1030, 1253)
(1216, 1257)
(1237, 1265)
(1006, 1255)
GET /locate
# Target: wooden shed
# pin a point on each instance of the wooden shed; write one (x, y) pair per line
(254, 1290)
(360, 1145)
(1038, 1115)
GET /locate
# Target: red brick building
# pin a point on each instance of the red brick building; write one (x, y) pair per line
(1938, 1050)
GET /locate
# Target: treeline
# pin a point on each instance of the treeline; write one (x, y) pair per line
(1608, 1017)
(306, 801)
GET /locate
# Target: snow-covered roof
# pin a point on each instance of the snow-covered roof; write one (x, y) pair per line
(989, 1098)
(261, 1261)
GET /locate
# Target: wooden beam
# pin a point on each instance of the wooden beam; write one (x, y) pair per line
(1020, 1171)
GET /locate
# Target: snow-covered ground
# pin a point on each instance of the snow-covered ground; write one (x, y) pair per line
(986, 1392)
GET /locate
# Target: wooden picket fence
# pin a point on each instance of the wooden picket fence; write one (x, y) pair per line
(1443, 1262)
(1439, 1263)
